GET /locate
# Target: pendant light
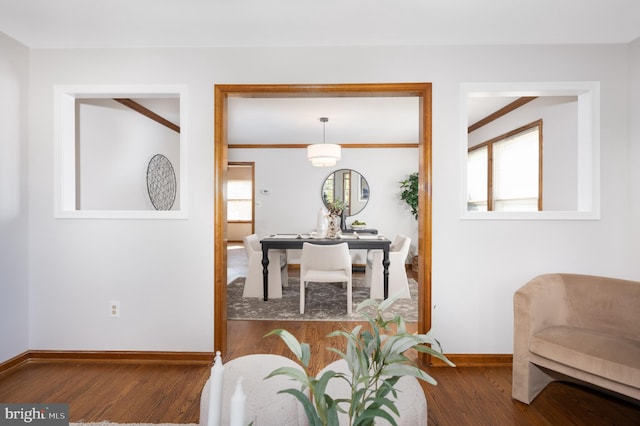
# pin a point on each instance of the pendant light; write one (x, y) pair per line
(324, 154)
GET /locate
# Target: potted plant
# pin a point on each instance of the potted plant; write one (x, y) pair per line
(409, 194)
(376, 360)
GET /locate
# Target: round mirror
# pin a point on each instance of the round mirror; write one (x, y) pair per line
(346, 186)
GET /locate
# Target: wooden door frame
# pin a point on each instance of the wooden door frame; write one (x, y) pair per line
(221, 95)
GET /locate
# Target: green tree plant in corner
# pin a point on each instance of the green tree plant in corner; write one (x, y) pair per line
(376, 360)
(409, 193)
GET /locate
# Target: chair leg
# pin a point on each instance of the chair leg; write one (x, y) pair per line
(302, 286)
(284, 275)
(349, 297)
(528, 380)
(367, 275)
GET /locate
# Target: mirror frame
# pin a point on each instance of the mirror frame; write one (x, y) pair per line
(588, 156)
(350, 194)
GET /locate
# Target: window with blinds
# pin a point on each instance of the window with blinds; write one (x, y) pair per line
(239, 200)
(505, 173)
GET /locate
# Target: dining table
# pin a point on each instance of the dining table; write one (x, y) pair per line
(354, 240)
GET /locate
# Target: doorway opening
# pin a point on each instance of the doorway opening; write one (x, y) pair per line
(240, 215)
(222, 93)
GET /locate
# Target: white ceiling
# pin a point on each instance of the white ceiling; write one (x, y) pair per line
(200, 23)
(188, 23)
(297, 120)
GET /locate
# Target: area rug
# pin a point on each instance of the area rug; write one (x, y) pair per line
(324, 302)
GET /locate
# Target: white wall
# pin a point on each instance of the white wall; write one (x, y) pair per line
(295, 190)
(634, 157)
(116, 144)
(14, 320)
(162, 270)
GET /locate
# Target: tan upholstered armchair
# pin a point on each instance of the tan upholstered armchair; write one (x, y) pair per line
(580, 328)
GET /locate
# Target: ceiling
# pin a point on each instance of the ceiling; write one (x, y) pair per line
(297, 120)
(208, 23)
(195, 23)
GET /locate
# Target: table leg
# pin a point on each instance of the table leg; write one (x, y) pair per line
(385, 272)
(265, 273)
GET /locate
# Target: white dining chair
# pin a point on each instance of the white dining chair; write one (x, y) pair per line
(278, 275)
(374, 273)
(325, 264)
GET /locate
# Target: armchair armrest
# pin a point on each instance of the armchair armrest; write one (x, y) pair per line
(540, 303)
(537, 304)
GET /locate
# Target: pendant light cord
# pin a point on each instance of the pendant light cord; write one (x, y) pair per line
(324, 123)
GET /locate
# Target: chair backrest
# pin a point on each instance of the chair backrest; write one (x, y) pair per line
(251, 244)
(401, 244)
(330, 257)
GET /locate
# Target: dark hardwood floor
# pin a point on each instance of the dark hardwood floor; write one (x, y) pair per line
(151, 393)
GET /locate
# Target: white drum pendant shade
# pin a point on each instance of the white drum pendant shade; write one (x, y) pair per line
(323, 154)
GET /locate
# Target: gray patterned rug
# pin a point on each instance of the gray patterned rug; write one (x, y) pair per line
(324, 302)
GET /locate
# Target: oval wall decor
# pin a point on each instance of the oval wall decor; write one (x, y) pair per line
(161, 182)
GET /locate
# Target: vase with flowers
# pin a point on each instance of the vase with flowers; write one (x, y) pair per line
(335, 209)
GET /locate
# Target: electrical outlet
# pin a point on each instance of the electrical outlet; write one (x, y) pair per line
(114, 309)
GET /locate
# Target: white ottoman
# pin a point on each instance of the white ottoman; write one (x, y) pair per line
(264, 406)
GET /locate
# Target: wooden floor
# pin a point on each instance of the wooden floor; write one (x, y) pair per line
(148, 393)
(128, 393)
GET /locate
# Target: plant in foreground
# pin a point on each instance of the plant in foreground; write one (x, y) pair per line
(376, 360)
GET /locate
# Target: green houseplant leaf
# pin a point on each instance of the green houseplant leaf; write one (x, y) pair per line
(409, 193)
(376, 360)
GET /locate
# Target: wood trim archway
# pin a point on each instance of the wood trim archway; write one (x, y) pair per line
(221, 95)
